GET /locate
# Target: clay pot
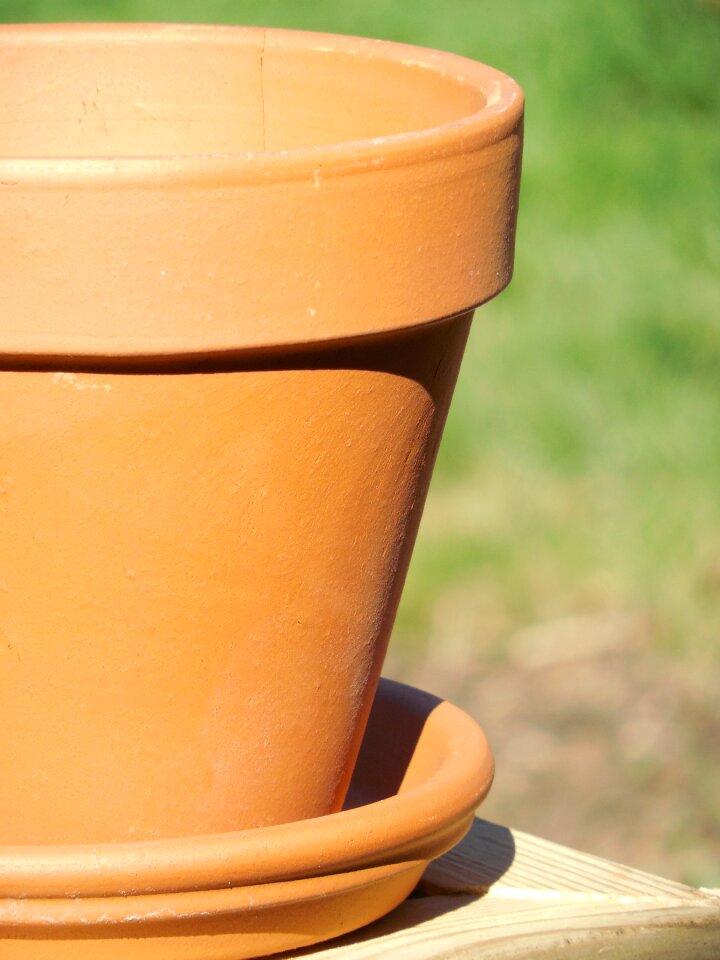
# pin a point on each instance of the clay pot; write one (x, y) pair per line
(272, 888)
(236, 274)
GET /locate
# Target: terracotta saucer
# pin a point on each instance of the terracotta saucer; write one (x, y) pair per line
(424, 767)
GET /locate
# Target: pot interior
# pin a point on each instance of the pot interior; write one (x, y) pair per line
(112, 90)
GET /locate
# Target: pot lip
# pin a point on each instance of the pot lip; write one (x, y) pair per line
(403, 826)
(105, 914)
(497, 118)
(68, 353)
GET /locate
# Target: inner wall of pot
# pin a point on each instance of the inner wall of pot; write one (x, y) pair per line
(105, 93)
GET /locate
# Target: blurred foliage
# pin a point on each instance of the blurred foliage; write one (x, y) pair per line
(580, 471)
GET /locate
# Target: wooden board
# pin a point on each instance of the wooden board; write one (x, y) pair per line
(504, 895)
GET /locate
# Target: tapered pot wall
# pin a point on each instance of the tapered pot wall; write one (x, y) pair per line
(237, 269)
(200, 571)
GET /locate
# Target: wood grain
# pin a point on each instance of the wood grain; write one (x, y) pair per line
(505, 895)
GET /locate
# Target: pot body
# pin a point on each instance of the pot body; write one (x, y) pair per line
(236, 279)
(199, 575)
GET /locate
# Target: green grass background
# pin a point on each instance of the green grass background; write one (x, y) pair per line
(580, 470)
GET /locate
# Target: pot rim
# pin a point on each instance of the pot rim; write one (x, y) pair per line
(124, 258)
(404, 826)
(499, 115)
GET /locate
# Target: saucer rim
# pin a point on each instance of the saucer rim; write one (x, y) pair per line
(416, 820)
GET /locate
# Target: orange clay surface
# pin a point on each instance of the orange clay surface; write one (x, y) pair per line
(221, 394)
(272, 888)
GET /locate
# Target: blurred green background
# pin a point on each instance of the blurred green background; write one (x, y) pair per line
(566, 581)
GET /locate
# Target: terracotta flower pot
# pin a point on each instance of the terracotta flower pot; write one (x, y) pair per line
(255, 892)
(236, 274)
